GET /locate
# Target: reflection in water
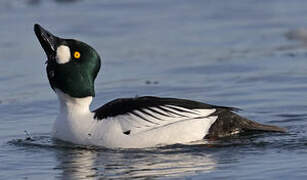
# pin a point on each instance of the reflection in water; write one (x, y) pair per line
(77, 164)
(87, 164)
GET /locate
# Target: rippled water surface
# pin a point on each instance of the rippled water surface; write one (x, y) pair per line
(246, 53)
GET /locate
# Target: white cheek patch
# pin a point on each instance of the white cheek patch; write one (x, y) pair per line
(62, 54)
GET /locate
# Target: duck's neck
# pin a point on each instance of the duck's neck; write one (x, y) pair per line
(73, 106)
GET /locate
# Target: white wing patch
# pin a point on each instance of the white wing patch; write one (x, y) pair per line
(153, 118)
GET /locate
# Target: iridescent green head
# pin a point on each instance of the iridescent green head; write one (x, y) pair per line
(72, 65)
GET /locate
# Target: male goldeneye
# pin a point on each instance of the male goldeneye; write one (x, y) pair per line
(139, 122)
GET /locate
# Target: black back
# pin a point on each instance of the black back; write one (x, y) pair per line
(128, 105)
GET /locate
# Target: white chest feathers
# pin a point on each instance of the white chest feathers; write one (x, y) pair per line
(74, 120)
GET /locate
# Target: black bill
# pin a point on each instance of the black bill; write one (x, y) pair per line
(47, 40)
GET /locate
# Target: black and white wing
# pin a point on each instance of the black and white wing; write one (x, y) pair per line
(146, 113)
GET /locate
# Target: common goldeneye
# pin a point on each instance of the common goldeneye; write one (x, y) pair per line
(139, 122)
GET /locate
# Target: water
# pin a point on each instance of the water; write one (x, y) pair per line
(245, 53)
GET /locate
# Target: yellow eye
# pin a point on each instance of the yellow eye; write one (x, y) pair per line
(77, 54)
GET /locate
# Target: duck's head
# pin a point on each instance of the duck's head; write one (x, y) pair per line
(72, 65)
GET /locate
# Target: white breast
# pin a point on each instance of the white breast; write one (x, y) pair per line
(74, 120)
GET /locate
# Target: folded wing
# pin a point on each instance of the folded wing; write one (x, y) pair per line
(147, 113)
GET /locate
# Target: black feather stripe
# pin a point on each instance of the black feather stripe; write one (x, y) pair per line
(172, 112)
(158, 112)
(142, 117)
(181, 110)
(128, 105)
(151, 115)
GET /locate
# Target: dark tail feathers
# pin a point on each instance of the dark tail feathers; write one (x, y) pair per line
(229, 123)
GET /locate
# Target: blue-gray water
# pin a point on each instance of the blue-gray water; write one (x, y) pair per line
(250, 54)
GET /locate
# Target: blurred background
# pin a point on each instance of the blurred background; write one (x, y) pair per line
(249, 54)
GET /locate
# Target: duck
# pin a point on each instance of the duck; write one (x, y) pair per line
(136, 122)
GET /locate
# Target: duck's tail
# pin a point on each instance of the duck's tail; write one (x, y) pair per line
(229, 123)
